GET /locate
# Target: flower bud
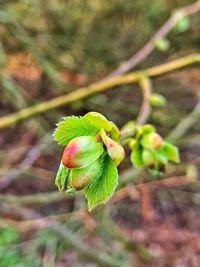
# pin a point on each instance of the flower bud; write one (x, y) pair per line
(81, 151)
(152, 141)
(81, 178)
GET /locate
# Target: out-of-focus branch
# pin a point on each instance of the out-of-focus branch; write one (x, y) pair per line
(38, 198)
(132, 191)
(145, 108)
(94, 88)
(149, 47)
(116, 232)
(185, 124)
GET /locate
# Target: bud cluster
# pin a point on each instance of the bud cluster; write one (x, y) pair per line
(82, 156)
(151, 151)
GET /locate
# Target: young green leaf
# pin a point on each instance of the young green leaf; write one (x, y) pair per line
(62, 177)
(171, 152)
(72, 127)
(104, 185)
(98, 120)
(114, 133)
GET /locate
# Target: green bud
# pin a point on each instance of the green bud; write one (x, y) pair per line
(132, 143)
(152, 141)
(136, 156)
(81, 178)
(115, 150)
(81, 151)
(149, 159)
(162, 160)
(183, 24)
(128, 129)
(157, 100)
(163, 45)
(148, 128)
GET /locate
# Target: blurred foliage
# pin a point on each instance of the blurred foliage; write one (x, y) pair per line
(78, 35)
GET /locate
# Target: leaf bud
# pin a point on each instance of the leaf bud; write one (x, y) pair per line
(81, 151)
(152, 141)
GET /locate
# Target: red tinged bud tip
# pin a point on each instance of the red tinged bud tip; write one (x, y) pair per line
(68, 156)
(81, 151)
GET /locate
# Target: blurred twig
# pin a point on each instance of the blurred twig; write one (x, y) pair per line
(116, 232)
(30, 158)
(38, 198)
(185, 124)
(98, 87)
(160, 34)
(145, 108)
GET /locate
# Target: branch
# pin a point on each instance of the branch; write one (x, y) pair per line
(145, 108)
(44, 198)
(185, 124)
(94, 88)
(160, 34)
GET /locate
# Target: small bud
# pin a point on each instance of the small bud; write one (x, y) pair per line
(128, 129)
(163, 45)
(183, 24)
(132, 143)
(81, 178)
(136, 156)
(152, 141)
(148, 128)
(162, 161)
(149, 158)
(81, 151)
(115, 150)
(158, 100)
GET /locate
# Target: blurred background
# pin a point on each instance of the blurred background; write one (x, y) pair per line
(50, 48)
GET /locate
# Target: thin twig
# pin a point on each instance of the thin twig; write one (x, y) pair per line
(185, 124)
(38, 198)
(160, 34)
(94, 88)
(145, 109)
